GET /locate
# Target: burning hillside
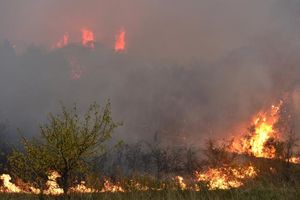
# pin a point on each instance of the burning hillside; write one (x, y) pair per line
(180, 79)
(261, 131)
(120, 43)
(87, 38)
(261, 141)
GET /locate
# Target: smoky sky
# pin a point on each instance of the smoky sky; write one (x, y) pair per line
(191, 70)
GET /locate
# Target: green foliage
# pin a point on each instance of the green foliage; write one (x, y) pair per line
(32, 165)
(67, 145)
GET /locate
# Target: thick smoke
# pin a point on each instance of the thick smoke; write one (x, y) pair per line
(192, 69)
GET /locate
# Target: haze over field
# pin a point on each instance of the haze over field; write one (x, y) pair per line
(190, 69)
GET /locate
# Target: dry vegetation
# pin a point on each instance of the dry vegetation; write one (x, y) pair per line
(71, 160)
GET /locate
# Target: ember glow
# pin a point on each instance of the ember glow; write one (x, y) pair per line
(110, 187)
(226, 177)
(252, 144)
(180, 182)
(64, 41)
(223, 177)
(87, 38)
(53, 187)
(120, 43)
(82, 188)
(8, 186)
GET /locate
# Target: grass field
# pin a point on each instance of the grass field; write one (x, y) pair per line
(237, 194)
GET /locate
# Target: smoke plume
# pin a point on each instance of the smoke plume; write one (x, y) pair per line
(191, 69)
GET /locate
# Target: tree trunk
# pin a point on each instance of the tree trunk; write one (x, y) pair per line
(65, 185)
(41, 196)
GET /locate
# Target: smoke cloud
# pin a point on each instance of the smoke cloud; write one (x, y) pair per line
(191, 69)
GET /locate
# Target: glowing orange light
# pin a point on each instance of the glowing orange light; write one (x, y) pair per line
(226, 177)
(120, 43)
(64, 41)
(87, 38)
(255, 143)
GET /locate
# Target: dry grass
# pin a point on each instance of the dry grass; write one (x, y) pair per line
(259, 192)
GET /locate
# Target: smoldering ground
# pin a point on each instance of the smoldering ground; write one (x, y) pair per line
(191, 70)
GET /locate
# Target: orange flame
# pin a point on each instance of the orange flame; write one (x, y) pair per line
(62, 42)
(82, 188)
(87, 38)
(226, 177)
(255, 143)
(120, 43)
(9, 187)
(110, 187)
(180, 182)
(53, 187)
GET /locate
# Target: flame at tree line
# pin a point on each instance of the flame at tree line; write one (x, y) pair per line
(253, 143)
(88, 40)
(64, 41)
(226, 177)
(120, 41)
(262, 130)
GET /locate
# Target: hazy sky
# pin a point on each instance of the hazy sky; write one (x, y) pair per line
(191, 68)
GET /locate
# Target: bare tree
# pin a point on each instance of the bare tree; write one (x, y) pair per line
(218, 155)
(287, 149)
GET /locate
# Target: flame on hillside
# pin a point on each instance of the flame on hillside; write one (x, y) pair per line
(226, 177)
(180, 182)
(261, 132)
(255, 143)
(110, 187)
(8, 186)
(258, 142)
(87, 38)
(120, 43)
(64, 41)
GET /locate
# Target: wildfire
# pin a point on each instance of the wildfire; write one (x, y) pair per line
(53, 187)
(120, 43)
(110, 187)
(62, 42)
(226, 177)
(82, 188)
(87, 38)
(295, 160)
(262, 131)
(8, 186)
(255, 143)
(180, 182)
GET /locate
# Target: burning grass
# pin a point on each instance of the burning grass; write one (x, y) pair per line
(236, 170)
(258, 192)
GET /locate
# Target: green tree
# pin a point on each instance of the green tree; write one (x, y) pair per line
(68, 144)
(31, 165)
